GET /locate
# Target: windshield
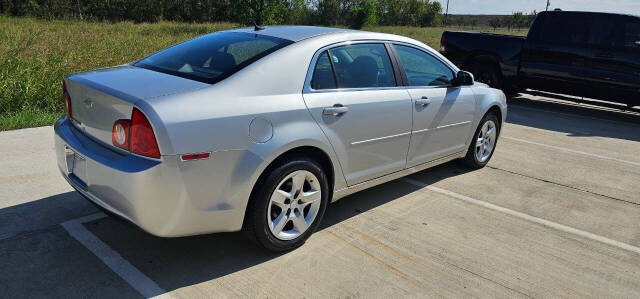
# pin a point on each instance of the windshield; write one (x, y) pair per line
(213, 57)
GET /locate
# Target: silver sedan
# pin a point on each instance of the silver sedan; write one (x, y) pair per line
(259, 129)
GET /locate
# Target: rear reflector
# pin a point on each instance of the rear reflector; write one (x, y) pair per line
(191, 157)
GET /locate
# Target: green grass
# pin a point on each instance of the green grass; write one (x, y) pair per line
(36, 54)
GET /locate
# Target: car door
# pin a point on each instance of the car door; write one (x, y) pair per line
(614, 66)
(353, 95)
(442, 113)
(555, 54)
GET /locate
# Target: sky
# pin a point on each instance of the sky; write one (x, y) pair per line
(509, 6)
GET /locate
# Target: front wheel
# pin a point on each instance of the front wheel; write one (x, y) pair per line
(289, 205)
(484, 142)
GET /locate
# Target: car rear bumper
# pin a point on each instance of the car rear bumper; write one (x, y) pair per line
(162, 196)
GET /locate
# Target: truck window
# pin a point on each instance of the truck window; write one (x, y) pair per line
(632, 34)
(605, 32)
(565, 29)
(615, 32)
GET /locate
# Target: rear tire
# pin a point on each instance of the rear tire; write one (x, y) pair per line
(487, 73)
(483, 143)
(288, 204)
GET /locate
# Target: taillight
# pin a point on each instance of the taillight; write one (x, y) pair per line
(120, 134)
(135, 135)
(67, 100)
(143, 141)
(443, 45)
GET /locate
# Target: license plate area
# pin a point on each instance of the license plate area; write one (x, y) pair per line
(76, 167)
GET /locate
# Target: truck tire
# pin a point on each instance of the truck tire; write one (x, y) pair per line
(487, 73)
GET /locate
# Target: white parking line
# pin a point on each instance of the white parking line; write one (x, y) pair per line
(143, 284)
(544, 222)
(573, 151)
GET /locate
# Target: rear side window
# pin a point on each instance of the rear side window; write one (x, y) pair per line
(423, 69)
(565, 29)
(323, 74)
(362, 66)
(212, 57)
(605, 32)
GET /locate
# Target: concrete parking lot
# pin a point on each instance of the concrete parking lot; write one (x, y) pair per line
(555, 214)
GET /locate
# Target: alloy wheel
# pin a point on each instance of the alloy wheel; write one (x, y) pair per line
(294, 205)
(486, 141)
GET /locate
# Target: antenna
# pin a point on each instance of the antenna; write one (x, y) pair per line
(548, 3)
(256, 27)
(446, 14)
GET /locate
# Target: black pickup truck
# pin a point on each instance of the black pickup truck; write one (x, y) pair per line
(587, 54)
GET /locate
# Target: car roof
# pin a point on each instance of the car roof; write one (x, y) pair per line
(294, 33)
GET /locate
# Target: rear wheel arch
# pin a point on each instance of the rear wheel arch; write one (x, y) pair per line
(252, 224)
(316, 154)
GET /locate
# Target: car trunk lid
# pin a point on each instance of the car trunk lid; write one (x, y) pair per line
(100, 98)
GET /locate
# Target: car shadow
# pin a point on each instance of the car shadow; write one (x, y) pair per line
(556, 114)
(174, 263)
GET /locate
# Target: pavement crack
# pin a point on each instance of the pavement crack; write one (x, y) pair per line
(486, 278)
(564, 185)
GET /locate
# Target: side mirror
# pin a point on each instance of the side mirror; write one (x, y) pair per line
(463, 78)
(638, 43)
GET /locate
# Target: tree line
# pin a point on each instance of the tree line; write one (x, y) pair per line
(352, 13)
(517, 20)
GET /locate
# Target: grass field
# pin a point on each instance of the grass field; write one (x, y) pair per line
(36, 54)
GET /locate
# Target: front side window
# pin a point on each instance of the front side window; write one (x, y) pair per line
(212, 57)
(423, 69)
(362, 66)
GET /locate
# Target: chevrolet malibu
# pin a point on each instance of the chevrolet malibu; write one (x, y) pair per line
(258, 129)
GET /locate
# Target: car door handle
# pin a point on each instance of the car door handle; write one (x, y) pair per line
(335, 110)
(424, 101)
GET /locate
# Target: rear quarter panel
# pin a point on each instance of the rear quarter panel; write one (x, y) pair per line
(218, 119)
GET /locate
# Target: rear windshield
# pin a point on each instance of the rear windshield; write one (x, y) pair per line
(213, 57)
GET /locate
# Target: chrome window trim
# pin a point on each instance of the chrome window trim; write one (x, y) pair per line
(307, 82)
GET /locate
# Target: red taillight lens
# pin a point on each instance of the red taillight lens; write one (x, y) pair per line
(443, 45)
(143, 141)
(67, 100)
(120, 134)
